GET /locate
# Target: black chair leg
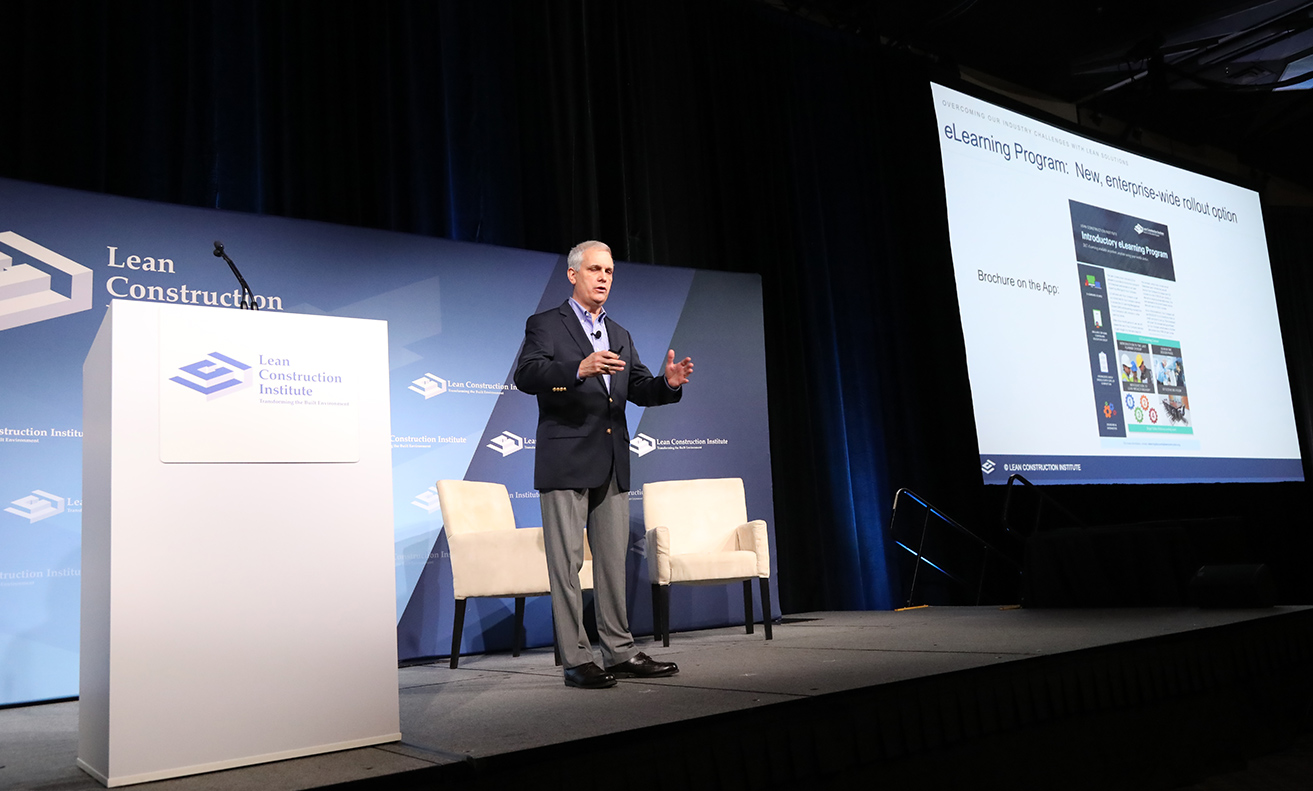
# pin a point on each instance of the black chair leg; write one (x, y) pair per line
(556, 645)
(765, 604)
(457, 626)
(665, 615)
(747, 606)
(590, 616)
(656, 612)
(517, 640)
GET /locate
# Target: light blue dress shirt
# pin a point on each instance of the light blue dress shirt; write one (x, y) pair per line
(600, 343)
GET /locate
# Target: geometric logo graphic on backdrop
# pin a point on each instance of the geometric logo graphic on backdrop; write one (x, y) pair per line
(642, 445)
(215, 376)
(988, 466)
(429, 385)
(45, 286)
(428, 500)
(37, 506)
(506, 443)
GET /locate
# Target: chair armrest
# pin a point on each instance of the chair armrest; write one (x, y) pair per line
(498, 563)
(658, 555)
(752, 537)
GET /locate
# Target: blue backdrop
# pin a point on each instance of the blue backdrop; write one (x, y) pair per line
(455, 313)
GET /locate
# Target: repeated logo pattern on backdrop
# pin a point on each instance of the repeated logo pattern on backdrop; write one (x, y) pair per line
(37, 506)
(455, 316)
(38, 284)
(429, 385)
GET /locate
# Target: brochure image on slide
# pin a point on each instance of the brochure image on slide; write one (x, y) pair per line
(1125, 266)
(1133, 361)
(1166, 411)
(1169, 369)
(1118, 241)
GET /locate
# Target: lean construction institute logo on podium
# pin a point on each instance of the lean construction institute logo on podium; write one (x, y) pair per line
(215, 376)
(39, 284)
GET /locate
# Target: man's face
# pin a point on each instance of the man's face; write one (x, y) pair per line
(592, 283)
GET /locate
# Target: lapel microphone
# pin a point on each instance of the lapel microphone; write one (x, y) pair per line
(598, 335)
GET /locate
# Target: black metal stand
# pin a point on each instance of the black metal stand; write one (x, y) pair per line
(1042, 501)
(987, 550)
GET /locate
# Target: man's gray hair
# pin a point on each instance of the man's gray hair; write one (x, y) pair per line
(576, 257)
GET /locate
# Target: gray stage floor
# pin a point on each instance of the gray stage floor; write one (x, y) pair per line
(496, 704)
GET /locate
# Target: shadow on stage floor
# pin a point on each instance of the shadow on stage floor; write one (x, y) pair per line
(1142, 698)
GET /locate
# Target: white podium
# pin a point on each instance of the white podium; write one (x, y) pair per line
(238, 599)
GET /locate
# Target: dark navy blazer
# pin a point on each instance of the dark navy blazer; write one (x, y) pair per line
(581, 427)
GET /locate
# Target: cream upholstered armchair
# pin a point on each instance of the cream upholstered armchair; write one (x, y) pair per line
(490, 557)
(698, 533)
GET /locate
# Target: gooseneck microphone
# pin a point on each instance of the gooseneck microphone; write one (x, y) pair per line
(248, 298)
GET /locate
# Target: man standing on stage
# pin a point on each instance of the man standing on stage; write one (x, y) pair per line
(583, 366)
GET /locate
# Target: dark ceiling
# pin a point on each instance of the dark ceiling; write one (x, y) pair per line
(1221, 73)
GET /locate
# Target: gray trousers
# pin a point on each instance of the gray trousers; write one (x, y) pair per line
(604, 512)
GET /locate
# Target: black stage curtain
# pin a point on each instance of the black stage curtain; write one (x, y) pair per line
(718, 134)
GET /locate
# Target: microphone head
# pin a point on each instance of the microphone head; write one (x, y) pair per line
(218, 249)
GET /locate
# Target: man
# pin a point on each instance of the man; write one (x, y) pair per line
(583, 366)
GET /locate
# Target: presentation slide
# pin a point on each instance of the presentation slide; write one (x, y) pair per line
(1119, 315)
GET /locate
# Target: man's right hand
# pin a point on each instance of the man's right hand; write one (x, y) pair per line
(600, 363)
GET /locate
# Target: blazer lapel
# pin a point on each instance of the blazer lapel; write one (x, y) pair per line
(576, 331)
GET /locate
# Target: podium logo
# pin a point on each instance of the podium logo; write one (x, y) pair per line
(506, 443)
(988, 466)
(37, 506)
(428, 500)
(429, 385)
(41, 285)
(215, 376)
(642, 444)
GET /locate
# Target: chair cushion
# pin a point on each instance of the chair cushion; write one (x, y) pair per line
(498, 563)
(713, 567)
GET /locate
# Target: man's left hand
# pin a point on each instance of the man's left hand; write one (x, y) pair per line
(677, 373)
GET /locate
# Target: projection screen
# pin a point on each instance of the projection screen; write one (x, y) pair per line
(1119, 314)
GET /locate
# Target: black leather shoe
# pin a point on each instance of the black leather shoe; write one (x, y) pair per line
(588, 676)
(643, 666)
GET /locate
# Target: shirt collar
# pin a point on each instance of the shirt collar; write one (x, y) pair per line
(583, 315)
